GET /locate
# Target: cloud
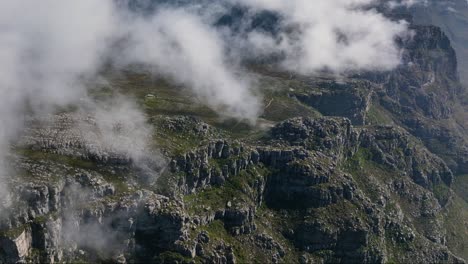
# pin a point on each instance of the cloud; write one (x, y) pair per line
(337, 36)
(406, 3)
(115, 130)
(181, 45)
(48, 48)
(98, 231)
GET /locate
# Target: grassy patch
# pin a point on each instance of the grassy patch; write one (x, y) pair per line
(279, 106)
(378, 116)
(214, 197)
(243, 252)
(38, 155)
(442, 193)
(44, 218)
(363, 170)
(236, 189)
(170, 257)
(461, 186)
(13, 233)
(117, 179)
(456, 220)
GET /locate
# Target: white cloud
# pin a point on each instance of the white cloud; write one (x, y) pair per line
(180, 45)
(406, 3)
(339, 35)
(45, 48)
(48, 47)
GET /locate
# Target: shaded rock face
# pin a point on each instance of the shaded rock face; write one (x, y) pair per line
(350, 100)
(16, 249)
(345, 244)
(430, 61)
(158, 230)
(424, 95)
(451, 16)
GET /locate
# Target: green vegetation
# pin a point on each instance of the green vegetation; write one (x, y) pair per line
(171, 100)
(44, 218)
(443, 193)
(175, 142)
(35, 256)
(13, 233)
(279, 106)
(116, 178)
(456, 218)
(38, 155)
(378, 116)
(363, 170)
(170, 257)
(235, 189)
(461, 186)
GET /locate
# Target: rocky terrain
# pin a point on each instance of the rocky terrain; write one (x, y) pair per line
(452, 17)
(365, 168)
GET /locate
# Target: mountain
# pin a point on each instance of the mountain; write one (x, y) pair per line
(365, 168)
(452, 17)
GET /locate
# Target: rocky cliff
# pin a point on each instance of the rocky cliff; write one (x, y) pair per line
(367, 169)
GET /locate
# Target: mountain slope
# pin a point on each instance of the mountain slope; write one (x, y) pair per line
(452, 17)
(365, 169)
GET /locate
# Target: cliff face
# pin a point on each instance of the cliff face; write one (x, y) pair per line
(452, 17)
(425, 97)
(365, 170)
(314, 189)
